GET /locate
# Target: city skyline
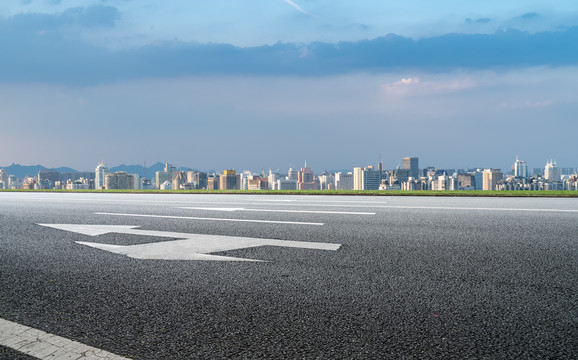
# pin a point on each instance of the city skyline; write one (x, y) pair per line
(336, 83)
(293, 165)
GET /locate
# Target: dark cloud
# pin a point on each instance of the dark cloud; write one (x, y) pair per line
(97, 15)
(32, 52)
(529, 16)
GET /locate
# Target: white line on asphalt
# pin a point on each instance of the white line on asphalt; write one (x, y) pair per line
(212, 219)
(482, 209)
(277, 210)
(43, 345)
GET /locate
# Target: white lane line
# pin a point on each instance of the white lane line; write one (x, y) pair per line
(278, 210)
(212, 219)
(43, 345)
(188, 201)
(481, 209)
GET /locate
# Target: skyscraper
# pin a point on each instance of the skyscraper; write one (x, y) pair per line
(229, 180)
(520, 168)
(491, 177)
(551, 171)
(4, 179)
(306, 179)
(99, 175)
(411, 164)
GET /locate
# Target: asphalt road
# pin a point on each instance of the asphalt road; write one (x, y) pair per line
(420, 278)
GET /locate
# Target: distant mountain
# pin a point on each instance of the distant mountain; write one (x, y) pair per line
(139, 169)
(23, 171)
(32, 170)
(65, 170)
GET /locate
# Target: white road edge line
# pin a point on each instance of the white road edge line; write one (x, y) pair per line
(43, 345)
(482, 209)
(277, 210)
(212, 219)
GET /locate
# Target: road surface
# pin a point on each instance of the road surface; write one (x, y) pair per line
(143, 277)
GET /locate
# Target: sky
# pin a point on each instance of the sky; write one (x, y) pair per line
(267, 84)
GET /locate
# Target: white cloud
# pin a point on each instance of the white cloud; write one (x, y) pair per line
(526, 104)
(414, 86)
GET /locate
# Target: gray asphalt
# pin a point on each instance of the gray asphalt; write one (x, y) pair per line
(410, 283)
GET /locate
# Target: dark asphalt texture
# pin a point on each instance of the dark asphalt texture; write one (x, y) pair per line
(407, 283)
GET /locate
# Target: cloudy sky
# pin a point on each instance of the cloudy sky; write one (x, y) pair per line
(261, 84)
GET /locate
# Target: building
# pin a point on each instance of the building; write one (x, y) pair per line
(344, 181)
(272, 179)
(466, 181)
(213, 182)
(286, 184)
(4, 182)
(257, 183)
(179, 180)
(326, 182)
(491, 178)
(367, 178)
(229, 180)
(166, 175)
(119, 180)
(292, 174)
(306, 179)
(99, 175)
(411, 164)
(197, 179)
(521, 169)
(48, 178)
(551, 172)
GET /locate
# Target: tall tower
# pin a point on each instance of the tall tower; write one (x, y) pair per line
(99, 175)
(411, 164)
(551, 171)
(520, 168)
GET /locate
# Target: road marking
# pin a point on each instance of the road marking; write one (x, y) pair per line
(190, 247)
(43, 345)
(278, 210)
(212, 219)
(482, 209)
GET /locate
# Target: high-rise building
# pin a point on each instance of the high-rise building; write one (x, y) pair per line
(166, 175)
(119, 180)
(306, 179)
(411, 164)
(272, 179)
(213, 182)
(179, 180)
(4, 179)
(343, 181)
(366, 178)
(491, 177)
(229, 180)
(198, 179)
(551, 172)
(292, 174)
(99, 175)
(520, 169)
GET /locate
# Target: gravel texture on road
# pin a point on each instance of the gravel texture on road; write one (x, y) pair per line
(412, 283)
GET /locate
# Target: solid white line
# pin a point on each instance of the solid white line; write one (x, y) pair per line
(481, 209)
(212, 219)
(277, 210)
(43, 345)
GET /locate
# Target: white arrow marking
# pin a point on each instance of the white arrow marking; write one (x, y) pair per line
(191, 247)
(211, 219)
(277, 210)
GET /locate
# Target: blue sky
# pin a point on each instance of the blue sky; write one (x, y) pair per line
(264, 83)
